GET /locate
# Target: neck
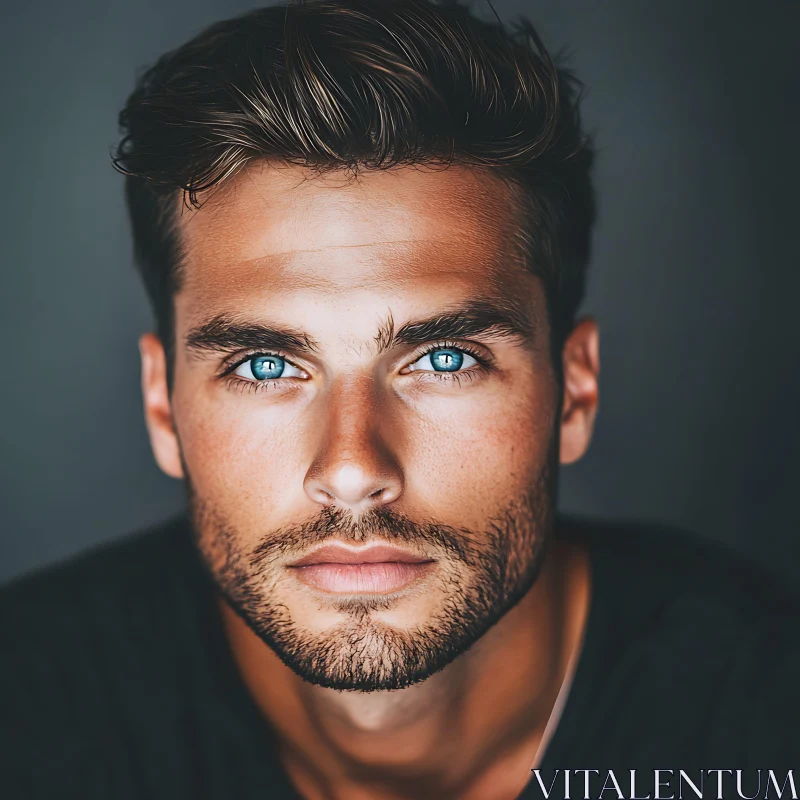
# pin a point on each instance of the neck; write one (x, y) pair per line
(473, 730)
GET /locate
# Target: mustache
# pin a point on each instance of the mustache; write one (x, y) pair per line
(376, 525)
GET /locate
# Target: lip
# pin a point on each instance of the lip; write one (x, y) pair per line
(371, 554)
(377, 569)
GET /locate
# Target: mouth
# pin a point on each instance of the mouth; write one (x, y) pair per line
(375, 569)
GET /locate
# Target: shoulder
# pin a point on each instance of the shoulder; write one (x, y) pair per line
(85, 584)
(695, 634)
(81, 609)
(671, 568)
(87, 645)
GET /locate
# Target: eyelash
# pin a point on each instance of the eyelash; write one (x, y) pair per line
(484, 362)
(243, 386)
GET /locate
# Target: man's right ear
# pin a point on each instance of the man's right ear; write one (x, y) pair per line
(157, 408)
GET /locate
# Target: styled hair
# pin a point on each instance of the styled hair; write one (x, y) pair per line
(360, 84)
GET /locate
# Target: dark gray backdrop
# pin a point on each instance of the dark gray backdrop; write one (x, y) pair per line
(695, 276)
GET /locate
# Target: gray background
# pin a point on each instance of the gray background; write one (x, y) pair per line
(695, 276)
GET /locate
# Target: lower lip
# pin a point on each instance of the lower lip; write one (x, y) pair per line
(371, 578)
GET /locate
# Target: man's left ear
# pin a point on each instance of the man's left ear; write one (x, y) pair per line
(581, 365)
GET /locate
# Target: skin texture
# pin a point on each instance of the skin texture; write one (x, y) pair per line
(364, 431)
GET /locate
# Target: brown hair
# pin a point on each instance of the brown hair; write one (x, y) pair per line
(360, 84)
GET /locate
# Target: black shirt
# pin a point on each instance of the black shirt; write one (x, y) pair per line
(116, 680)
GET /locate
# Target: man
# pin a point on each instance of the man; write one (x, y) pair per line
(364, 227)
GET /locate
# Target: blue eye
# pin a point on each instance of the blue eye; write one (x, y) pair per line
(447, 360)
(443, 359)
(264, 367)
(267, 367)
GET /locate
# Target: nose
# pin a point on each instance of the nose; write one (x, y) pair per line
(354, 467)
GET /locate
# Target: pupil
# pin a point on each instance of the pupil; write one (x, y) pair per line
(447, 360)
(266, 367)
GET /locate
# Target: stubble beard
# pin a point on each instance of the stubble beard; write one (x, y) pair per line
(501, 564)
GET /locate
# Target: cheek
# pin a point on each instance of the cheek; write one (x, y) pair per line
(243, 456)
(474, 457)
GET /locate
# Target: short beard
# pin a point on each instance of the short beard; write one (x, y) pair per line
(503, 563)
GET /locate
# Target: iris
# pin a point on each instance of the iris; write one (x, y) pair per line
(447, 360)
(267, 367)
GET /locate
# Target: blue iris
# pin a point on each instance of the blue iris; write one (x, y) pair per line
(446, 360)
(267, 367)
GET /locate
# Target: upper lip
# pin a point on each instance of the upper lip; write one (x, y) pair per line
(372, 554)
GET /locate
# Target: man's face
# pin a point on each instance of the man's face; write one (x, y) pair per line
(364, 362)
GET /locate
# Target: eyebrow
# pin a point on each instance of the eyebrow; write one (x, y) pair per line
(223, 333)
(500, 318)
(505, 319)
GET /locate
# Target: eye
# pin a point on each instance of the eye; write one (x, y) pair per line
(443, 359)
(267, 367)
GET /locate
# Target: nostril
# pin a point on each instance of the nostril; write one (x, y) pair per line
(351, 486)
(322, 495)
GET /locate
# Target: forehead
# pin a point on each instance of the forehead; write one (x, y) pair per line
(286, 229)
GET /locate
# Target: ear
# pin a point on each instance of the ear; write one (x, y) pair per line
(581, 364)
(157, 408)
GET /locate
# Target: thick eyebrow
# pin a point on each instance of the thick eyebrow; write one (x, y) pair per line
(224, 334)
(481, 317)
